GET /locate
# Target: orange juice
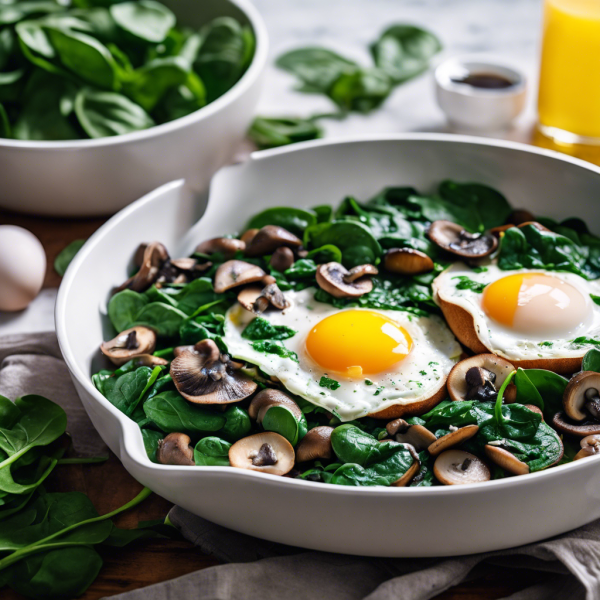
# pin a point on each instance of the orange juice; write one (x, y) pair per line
(569, 93)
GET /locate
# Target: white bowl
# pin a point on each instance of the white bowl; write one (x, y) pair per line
(366, 521)
(100, 176)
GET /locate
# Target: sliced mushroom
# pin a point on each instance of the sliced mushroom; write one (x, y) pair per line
(478, 377)
(206, 376)
(129, 344)
(234, 273)
(580, 429)
(271, 397)
(581, 398)
(155, 255)
(149, 360)
(356, 273)
(408, 475)
(224, 246)
(454, 438)
(417, 436)
(330, 278)
(257, 300)
(248, 236)
(456, 467)
(453, 238)
(590, 445)
(282, 259)
(274, 296)
(269, 238)
(316, 444)
(407, 261)
(267, 452)
(175, 449)
(506, 460)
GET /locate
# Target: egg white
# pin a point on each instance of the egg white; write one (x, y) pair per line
(504, 341)
(417, 377)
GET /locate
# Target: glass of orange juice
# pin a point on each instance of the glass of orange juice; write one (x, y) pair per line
(569, 92)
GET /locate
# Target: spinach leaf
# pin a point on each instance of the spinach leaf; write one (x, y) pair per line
(527, 392)
(404, 51)
(352, 445)
(164, 319)
(66, 255)
(261, 329)
(303, 268)
(237, 424)
(195, 294)
(172, 413)
(104, 114)
(268, 132)
(127, 390)
(591, 361)
(212, 452)
(295, 220)
(362, 90)
(144, 19)
(282, 420)
(386, 472)
(550, 388)
(274, 347)
(355, 240)
(124, 307)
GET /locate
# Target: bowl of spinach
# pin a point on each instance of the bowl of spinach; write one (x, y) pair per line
(101, 102)
(348, 500)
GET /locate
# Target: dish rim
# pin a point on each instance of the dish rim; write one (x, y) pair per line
(126, 423)
(229, 97)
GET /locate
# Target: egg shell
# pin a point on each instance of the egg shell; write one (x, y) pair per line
(22, 267)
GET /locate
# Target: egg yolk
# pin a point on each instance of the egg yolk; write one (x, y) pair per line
(536, 304)
(357, 343)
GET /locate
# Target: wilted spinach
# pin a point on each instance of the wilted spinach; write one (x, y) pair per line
(212, 452)
(65, 256)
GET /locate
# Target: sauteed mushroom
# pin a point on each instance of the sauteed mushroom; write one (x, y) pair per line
(417, 436)
(316, 444)
(453, 238)
(582, 429)
(175, 449)
(269, 238)
(455, 467)
(267, 398)
(407, 261)
(234, 273)
(152, 259)
(268, 452)
(225, 246)
(206, 376)
(506, 460)
(129, 344)
(590, 445)
(331, 278)
(479, 378)
(581, 398)
(454, 438)
(360, 271)
(282, 259)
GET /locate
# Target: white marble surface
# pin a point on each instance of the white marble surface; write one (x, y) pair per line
(507, 29)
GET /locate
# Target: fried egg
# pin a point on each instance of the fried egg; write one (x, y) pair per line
(521, 315)
(352, 362)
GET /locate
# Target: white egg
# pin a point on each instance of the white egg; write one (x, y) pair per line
(22, 267)
(524, 314)
(352, 362)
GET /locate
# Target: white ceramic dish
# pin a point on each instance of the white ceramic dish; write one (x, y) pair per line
(368, 521)
(101, 176)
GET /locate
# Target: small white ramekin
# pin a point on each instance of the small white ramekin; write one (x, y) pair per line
(473, 109)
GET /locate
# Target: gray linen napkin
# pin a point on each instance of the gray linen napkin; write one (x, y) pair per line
(32, 364)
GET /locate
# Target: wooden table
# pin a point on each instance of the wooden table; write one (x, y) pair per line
(109, 486)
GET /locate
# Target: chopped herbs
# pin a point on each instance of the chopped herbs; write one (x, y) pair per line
(465, 283)
(327, 382)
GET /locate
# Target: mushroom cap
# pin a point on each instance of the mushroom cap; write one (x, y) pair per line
(175, 449)
(579, 392)
(149, 360)
(184, 264)
(225, 246)
(315, 444)
(454, 239)
(179, 350)
(244, 451)
(234, 273)
(454, 438)
(282, 259)
(561, 422)
(152, 259)
(129, 344)
(360, 271)
(458, 387)
(456, 467)
(397, 425)
(463, 327)
(208, 377)
(248, 235)
(407, 261)
(590, 445)
(417, 436)
(269, 238)
(330, 278)
(271, 397)
(248, 297)
(506, 460)
(408, 475)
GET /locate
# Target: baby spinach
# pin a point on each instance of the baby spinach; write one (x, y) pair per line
(268, 132)
(237, 424)
(126, 391)
(164, 319)
(549, 387)
(303, 268)
(124, 307)
(591, 361)
(274, 347)
(66, 255)
(172, 413)
(144, 19)
(261, 329)
(212, 452)
(355, 240)
(282, 420)
(295, 220)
